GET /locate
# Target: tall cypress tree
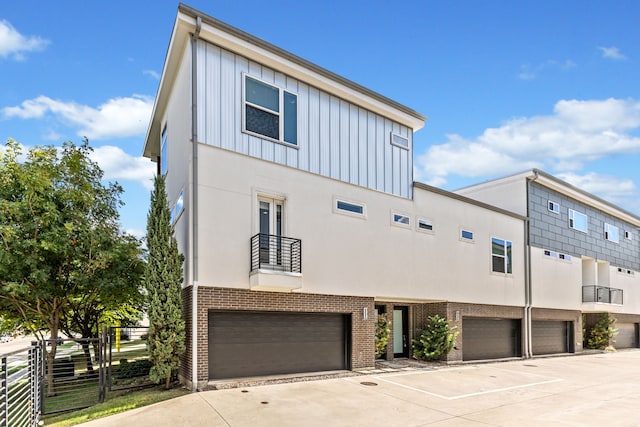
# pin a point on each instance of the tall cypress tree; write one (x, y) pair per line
(163, 282)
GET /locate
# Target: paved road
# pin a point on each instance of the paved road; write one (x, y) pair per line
(588, 390)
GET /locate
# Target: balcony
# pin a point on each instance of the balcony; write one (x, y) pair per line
(276, 263)
(602, 295)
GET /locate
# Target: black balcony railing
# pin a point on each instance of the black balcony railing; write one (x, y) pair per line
(602, 294)
(270, 252)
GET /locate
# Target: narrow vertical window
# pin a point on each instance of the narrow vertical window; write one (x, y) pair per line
(501, 251)
(163, 151)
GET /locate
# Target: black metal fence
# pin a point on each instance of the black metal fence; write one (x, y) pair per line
(271, 252)
(20, 389)
(128, 358)
(602, 294)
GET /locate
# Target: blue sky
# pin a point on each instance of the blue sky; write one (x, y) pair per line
(505, 85)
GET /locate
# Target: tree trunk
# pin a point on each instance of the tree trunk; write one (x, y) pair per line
(167, 382)
(87, 356)
(51, 357)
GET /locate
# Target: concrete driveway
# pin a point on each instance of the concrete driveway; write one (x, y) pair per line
(590, 390)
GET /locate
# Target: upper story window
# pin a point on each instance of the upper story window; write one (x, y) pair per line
(399, 141)
(578, 221)
(270, 111)
(501, 256)
(349, 208)
(627, 235)
(163, 151)
(611, 233)
(177, 208)
(424, 225)
(553, 206)
(466, 235)
(401, 220)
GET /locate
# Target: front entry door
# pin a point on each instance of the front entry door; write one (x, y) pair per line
(401, 332)
(270, 217)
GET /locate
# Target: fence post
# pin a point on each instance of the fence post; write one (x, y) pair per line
(5, 394)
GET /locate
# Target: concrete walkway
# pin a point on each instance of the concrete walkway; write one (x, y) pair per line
(590, 390)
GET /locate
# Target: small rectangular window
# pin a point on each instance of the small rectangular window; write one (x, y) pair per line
(424, 225)
(611, 233)
(553, 207)
(163, 151)
(400, 219)
(466, 235)
(270, 111)
(349, 208)
(177, 209)
(578, 221)
(399, 141)
(627, 235)
(550, 254)
(564, 257)
(501, 251)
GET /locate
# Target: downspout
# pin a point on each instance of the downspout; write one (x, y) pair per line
(194, 203)
(528, 293)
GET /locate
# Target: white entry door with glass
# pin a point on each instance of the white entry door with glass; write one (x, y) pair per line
(270, 217)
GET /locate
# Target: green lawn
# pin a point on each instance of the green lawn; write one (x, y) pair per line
(115, 403)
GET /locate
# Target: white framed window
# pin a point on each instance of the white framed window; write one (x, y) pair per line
(578, 221)
(399, 141)
(349, 207)
(400, 219)
(163, 151)
(424, 225)
(628, 235)
(553, 207)
(177, 208)
(269, 111)
(550, 254)
(611, 233)
(626, 271)
(501, 251)
(466, 235)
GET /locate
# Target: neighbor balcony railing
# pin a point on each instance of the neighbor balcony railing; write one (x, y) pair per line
(278, 253)
(602, 294)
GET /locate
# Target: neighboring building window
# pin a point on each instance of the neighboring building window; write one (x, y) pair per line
(400, 219)
(627, 235)
(163, 151)
(564, 257)
(349, 208)
(424, 225)
(550, 254)
(466, 235)
(611, 233)
(270, 111)
(578, 221)
(501, 255)
(399, 141)
(553, 207)
(177, 208)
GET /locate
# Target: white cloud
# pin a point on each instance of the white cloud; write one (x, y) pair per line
(136, 232)
(577, 132)
(611, 53)
(14, 44)
(527, 72)
(116, 118)
(118, 165)
(152, 73)
(610, 188)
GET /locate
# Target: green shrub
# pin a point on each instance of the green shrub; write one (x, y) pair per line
(602, 334)
(137, 368)
(435, 341)
(383, 331)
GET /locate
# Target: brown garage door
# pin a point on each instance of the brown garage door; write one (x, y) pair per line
(550, 336)
(243, 344)
(627, 335)
(490, 338)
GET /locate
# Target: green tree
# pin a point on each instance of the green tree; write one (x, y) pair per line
(436, 340)
(163, 283)
(383, 331)
(602, 334)
(57, 222)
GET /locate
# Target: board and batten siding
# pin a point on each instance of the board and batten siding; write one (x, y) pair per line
(336, 138)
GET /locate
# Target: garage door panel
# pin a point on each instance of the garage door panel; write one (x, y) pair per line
(251, 344)
(627, 336)
(490, 338)
(549, 337)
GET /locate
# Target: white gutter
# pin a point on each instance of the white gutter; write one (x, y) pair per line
(194, 204)
(528, 294)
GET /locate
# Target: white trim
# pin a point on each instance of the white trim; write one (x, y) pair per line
(397, 144)
(465, 239)
(506, 265)
(572, 221)
(337, 199)
(607, 232)
(555, 205)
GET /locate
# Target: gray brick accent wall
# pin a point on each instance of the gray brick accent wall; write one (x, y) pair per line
(549, 230)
